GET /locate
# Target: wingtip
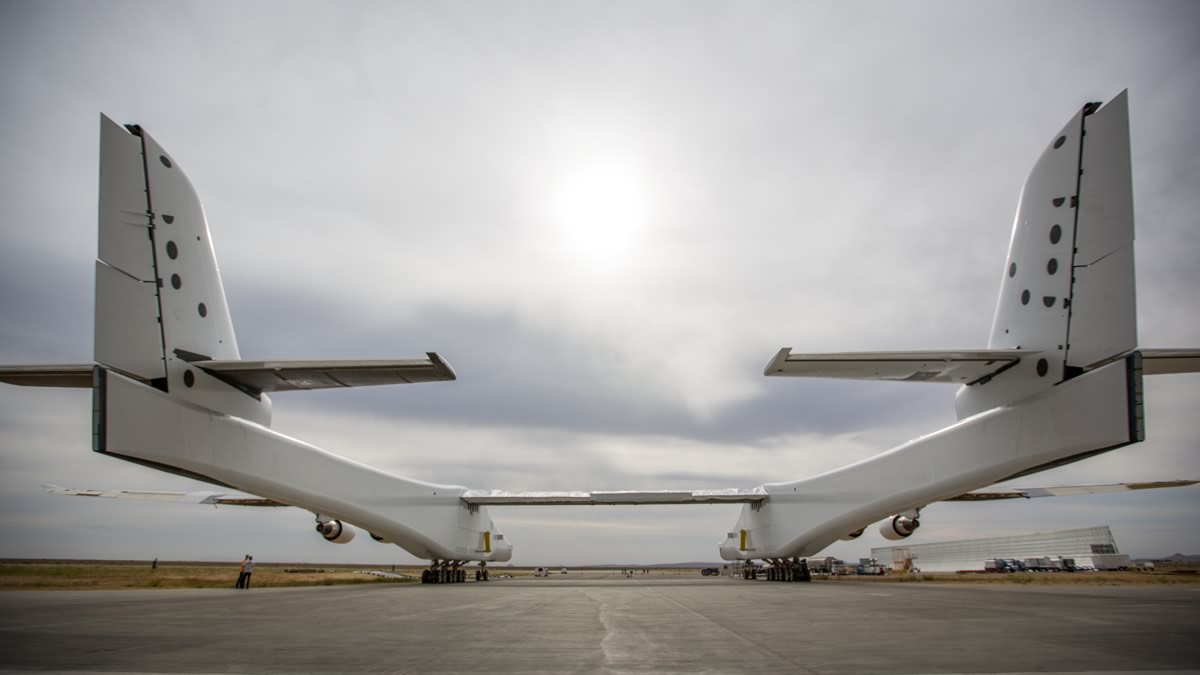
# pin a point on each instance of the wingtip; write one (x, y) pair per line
(440, 364)
(775, 365)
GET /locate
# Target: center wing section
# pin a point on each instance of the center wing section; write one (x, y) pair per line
(950, 367)
(618, 497)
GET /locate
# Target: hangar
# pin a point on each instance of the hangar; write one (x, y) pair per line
(1082, 544)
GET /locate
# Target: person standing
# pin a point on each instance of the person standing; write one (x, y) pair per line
(243, 574)
(249, 569)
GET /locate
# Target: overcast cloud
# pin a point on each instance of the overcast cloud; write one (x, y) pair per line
(607, 216)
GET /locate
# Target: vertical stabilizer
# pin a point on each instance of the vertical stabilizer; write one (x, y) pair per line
(160, 303)
(1067, 289)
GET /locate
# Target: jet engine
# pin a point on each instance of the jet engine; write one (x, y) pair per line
(335, 531)
(898, 527)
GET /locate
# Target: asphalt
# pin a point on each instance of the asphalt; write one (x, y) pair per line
(605, 623)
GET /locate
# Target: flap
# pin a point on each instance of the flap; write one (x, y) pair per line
(951, 367)
(271, 376)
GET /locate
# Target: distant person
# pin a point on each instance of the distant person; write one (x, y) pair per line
(154, 565)
(243, 574)
(249, 569)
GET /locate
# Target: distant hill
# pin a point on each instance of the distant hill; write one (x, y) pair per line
(1175, 558)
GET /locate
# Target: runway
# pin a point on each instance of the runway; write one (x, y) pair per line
(604, 623)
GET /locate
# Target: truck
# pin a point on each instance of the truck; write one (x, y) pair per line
(1111, 561)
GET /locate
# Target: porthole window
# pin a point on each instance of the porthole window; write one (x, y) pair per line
(203, 310)
(1025, 297)
(1059, 141)
(176, 282)
(1052, 266)
(169, 218)
(1048, 300)
(1043, 367)
(1055, 234)
(189, 379)
(1012, 270)
(1058, 201)
(172, 250)
(165, 162)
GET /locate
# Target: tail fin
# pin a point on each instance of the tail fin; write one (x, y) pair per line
(159, 300)
(1068, 285)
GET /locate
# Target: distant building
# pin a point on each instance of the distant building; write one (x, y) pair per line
(969, 554)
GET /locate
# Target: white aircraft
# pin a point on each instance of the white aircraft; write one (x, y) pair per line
(1060, 380)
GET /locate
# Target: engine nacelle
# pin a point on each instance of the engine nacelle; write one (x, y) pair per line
(898, 527)
(336, 531)
(854, 535)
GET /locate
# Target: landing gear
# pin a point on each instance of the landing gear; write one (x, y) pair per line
(451, 572)
(787, 569)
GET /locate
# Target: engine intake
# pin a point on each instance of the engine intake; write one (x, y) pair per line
(898, 527)
(335, 531)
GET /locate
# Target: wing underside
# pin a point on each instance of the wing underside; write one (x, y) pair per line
(203, 497)
(1066, 490)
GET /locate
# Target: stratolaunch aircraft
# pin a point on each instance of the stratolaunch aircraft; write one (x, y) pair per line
(1060, 380)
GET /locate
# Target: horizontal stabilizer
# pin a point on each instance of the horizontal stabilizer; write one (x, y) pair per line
(78, 375)
(214, 498)
(507, 498)
(951, 367)
(1170, 361)
(1066, 490)
(268, 376)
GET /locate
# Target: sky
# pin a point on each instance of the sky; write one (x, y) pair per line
(607, 216)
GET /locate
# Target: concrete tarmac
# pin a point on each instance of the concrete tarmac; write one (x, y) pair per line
(605, 623)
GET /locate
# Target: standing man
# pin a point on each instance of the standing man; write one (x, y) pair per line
(244, 573)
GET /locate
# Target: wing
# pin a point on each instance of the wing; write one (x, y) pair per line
(1065, 490)
(953, 367)
(215, 498)
(595, 498)
(268, 376)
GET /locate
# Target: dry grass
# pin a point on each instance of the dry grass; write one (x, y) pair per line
(113, 576)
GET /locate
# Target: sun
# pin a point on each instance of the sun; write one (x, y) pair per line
(599, 212)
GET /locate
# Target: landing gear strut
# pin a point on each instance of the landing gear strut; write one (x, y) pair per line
(781, 569)
(451, 572)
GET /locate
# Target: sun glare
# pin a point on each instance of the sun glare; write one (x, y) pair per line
(599, 212)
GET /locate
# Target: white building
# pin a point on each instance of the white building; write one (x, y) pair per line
(969, 554)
